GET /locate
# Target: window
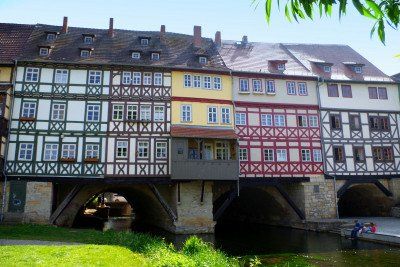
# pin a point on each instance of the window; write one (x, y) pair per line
(240, 119)
(187, 80)
(281, 67)
(212, 115)
(92, 151)
(317, 155)
(197, 81)
(93, 113)
(43, 51)
(143, 149)
(335, 122)
(243, 154)
(32, 75)
(387, 154)
(270, 87)
(266, 120)
(382, 154)
(88, 40)
(25, 151)
(382, 93)
(50, 152)
(147, 78)
(313, 121)
(118, 112)
(202, 60)
(379, 123)
(122, 149)
(144, 41)
(222, 150)
(257, 86)
(131, 112)
(305, 155)
(50, 37)
(161, 150)
(58, 112)
(145, 113)
(346, 91)
(338, 154)
(268, 155)
(137, 78)
(243, 85)
(302, 121)
(159, 113)
(135, 55)
(355, 122)
(61, 77)
(291, 88)
(155, 56)
(359, 154)
(373, 93)
(302, 88)
(186, 113)
(333, 90)
(217, 83)
(158, 78)
(68, 151)
(207, 82)
(281, 155)
(28, 109)
(95, 77)
(357, 69)
(226, 115)
(327, 69)
(85, 53)
(126, 77)
(279, 120)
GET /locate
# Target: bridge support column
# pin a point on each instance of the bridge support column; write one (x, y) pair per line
(394, 187)
(194, 206)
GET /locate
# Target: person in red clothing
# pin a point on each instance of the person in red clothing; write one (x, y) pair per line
(371, 228)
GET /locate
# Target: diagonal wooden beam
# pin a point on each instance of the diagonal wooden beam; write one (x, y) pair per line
(65, 203)
(383, 189)
(343, 189)
(289, 200)
(163, 203)
(232, 195)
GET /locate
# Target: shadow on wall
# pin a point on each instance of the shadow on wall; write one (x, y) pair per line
(364, 200)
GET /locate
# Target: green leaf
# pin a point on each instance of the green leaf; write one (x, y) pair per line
(381, 31)
(362, 10)
(287, 13)
(375, 8)
(268, 7)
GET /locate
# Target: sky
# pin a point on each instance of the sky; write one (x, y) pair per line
(234, 18)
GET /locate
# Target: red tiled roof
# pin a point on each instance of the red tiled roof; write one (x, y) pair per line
(202, 132)
(13, 38)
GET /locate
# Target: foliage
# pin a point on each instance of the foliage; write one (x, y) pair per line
(382, 12)
(154, 250)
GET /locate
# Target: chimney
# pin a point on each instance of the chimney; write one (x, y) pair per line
(217, 39)
(244, 39)
(197, 36)
(111, 28)
(65, 25)
(162, 31)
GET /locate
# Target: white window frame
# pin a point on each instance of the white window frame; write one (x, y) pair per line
(207, 82)
(306, 155)
(217, 83)
(244, 85)
(278, 122)
(187, 80)
(143, 149)
(281, 66)
(135, 55)
(196, 81)
(88, 40)
(304, 121)
(68, 151)
(281, 155)
(85, 53)
(126, 77)
(291, 88)
(58, 111)
(161, 150)
(144, 41)
(155, 56)
(61, 76)
(95, 109)
(48, 38)
(26, 147)
(32, 75)
(222, 150)
(225, 115)
(267, 120)
(131, 112)
(243, 154)
(270, 87)
(317, 155)
(302, 88)
(92, 151)
(186, 113)
(145, 112)
(94, 77)
(44, 51)
(358, 69)
(122, 149)
(50, 152)
(159, 113)
(240, 118)
(118, 112)
(212, 114)
(203, 60)
(269, 155)
(158, 78)
(327, 69)
(30, 108)
(313, 121)
(147, 78)
(137, 78)
(257, 86)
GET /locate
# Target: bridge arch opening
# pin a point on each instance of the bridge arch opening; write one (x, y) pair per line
(364, 200)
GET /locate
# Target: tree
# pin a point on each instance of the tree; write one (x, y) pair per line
(383, 12)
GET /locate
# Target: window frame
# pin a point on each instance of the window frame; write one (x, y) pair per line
(302, 121)
(158, 78)
(32, 73)
(277, 151)
(123, 149)
(339, 128)
(126, 77)
(306, 155)
(135, 55)
(346, 91)
(69, 148)
(270, 88)
(44, 51)
(358, 147)
(51, 152)
(117, 112)
(333, 88)
(277, 123)
(265, 117)
(89, 153)
(243, 154)
(291, 85)
(58, 110)
(213, 113)
(94, 111)
(269, 154)
(315, 159)
(132, 109)
(61, 76)
(242, 82)
(29, 109)
(240, 114)
(184, 113)
(147, 78)
(315, 119)
(342, 155)
(303, 91)
(32, 148)
(146, 149)
(95, 77)
(157, 115)
(155, 56)
(145, 112)
(256, 85)
(165, 154)
(352, 124)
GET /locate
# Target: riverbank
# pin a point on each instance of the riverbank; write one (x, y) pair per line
(149, 250)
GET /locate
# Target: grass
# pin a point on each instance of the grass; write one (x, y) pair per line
(144, 248)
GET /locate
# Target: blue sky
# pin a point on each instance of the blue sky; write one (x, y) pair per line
(234, 18)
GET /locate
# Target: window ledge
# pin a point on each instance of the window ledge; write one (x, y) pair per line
(68, 160)
(27, 119)
(91, 160)
(244, 93)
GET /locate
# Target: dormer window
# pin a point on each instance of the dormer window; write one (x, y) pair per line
(88, 40)
(358, 69)
(155, 56)
(203, 60)
(281, 67)
(144, 41)
(51, 37)
(85, 53)
(327, 69)
(44, 51)
(135, 55)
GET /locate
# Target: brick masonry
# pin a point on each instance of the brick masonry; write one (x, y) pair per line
(38, 202)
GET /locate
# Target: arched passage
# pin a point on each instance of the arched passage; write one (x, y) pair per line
(364, 200)
(257, 205)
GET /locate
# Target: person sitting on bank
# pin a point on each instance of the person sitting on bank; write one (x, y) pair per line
(371, 228)
(356, 229)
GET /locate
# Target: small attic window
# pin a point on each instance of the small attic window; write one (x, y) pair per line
(144, 41)
(327, 69)
(155, 56)
(281, 66)
(203, 60)
(85, 53)
(43, 51)
(135, 55)
(357, 69)
(88, 40)
(51, 37)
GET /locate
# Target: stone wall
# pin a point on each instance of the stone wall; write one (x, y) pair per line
(394, 187)
(38, 202)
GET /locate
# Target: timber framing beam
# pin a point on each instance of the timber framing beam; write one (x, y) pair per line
(362, 177)
(163, 202)
(65, 203)
(231, 196)
(289, 200)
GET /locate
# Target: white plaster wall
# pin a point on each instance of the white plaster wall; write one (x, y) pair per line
(78, 76)
(46, 75)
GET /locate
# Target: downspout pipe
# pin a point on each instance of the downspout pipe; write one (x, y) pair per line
(234, 127)
(4, 199)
